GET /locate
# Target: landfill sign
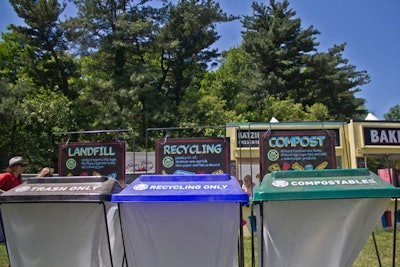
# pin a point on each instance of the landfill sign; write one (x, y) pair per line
(192, 155)
(93, 159)
(297, 150)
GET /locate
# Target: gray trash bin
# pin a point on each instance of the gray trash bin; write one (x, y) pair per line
(63, 221)
(181, 220)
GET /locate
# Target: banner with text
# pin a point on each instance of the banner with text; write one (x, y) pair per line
(251, 138)
(139, 162)
(93, 159)
(192, 155)
(297, 150)
(381, 136)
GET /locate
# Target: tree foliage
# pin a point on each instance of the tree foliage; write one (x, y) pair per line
(393, 114)
(285, 57)
(128, 64)
(50, 66)
(144, 57)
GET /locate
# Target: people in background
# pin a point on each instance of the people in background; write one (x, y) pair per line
(13, 175)
(248, 185)
(46, 172)
(10, 179)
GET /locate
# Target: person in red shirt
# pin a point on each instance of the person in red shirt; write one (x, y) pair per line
(12, 177)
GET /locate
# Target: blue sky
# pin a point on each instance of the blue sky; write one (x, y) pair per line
(370, 29)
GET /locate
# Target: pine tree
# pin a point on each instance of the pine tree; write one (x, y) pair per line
(290, 66)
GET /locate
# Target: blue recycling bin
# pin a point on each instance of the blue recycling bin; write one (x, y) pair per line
(318, 218)
(181, 220)
(63, 222)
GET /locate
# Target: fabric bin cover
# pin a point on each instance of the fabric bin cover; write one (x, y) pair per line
(63, 221)
(318, 217)
(181, 220)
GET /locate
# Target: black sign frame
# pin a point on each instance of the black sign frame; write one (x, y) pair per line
(93, 159)
(375, 136)
(193, 155)
(251, 138)
(315, 150)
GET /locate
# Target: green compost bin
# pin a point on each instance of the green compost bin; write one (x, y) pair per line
(319, 217)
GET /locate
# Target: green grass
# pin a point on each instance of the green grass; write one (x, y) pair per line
(367, 257)
(3, 256)
(384, 240)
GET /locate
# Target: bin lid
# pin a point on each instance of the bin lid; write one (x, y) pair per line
(323, 184)
(63, 189)
(183, 188)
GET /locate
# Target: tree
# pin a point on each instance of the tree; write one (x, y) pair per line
(274, 39)
(289, 67)
(50, 66)
(12, 118)
(393, 114)
(330, 80)
(30, 113)
(129, 64)
(140, 61)
(221, 92)
(37, 82)
(15, 55)
(46, 112)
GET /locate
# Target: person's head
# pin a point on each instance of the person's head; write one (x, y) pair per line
(46, 172)
(247, 180)
(17, 165)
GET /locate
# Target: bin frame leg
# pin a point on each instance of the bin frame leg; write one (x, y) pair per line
(240, 241)
(108, 233)
(5, 237)
(394, 233)
(261, 234)
(376, 249)
(125, 259)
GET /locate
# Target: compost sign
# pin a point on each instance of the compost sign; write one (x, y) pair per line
(192, 155)
(93, 159)
(297, 150)
(251, 138)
